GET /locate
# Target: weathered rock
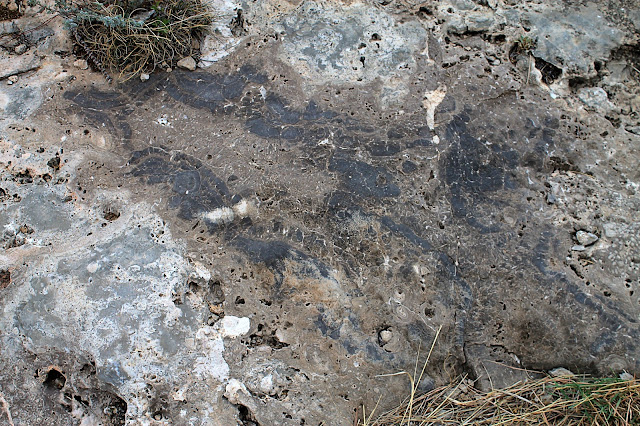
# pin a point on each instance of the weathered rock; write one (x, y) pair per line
(20, 49)
(187, 63)
(626, 376)
(586, 238)
(81, 64)
(561, 372)
(13, 65)
(576, 40)
(595, 98)
(480, 21)
(277, 234)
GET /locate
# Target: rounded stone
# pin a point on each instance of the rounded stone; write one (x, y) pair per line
(385, 336)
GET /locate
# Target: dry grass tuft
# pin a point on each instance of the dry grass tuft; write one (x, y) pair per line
(130, 37)
(564, 401)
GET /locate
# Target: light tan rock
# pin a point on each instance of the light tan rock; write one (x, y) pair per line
(81, 64)
(187, 63)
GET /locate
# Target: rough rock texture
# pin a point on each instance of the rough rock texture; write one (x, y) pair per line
(257, 242)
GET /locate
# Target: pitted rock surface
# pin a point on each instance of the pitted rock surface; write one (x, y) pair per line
(265, 240)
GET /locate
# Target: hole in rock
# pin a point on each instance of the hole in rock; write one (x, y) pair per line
(55, 379)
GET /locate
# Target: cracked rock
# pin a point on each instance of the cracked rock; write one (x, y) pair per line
(586, 238)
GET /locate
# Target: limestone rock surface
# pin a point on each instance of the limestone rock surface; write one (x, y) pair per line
(267, 239)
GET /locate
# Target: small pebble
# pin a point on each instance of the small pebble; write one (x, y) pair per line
(187, 63)
(561, 372)
(610, 230)
(12, 79)
(144, 77)
(578, 247)
(586, 238)
(81, 64)
(626, 376)
(20, 49)
(385, 336)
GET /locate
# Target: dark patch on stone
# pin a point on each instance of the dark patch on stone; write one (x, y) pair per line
(95, 107)
(96, 100)
(263, 128)
(110, 214)
(382, 149)
(349, 346)
(313, 113)
(364, 179)
(332, 331)
(281, 111)
(408, 166)
(273, 255)
(448, 104)
(473, 170)
(374, 352)
(594, 302)
(447, 263)
(116, 410)
(5, 278)
(396, 133)
(196, 189)
(419, 143)
(419, 332)
(205, 90)
(292, 133)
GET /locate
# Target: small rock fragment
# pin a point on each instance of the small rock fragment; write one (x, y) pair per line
(610, 230)
(144, 77)
(551, 198)
(81, 64)
(385, 336)
(20, 49)
(234, 390)
(187, 63)
(586, 238)
(12, 79)
(479, 21)
(578, 247)
(595, 98)
(561, 372)
(626, 376)
(266, 384)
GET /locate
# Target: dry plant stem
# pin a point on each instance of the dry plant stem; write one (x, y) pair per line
(115, 38)
(414, 385)
(551, 401)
